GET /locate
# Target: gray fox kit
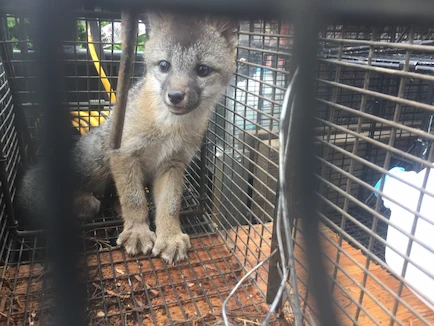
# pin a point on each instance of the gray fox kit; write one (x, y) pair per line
(189, 62)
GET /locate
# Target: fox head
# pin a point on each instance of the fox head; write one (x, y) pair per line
(189, 61)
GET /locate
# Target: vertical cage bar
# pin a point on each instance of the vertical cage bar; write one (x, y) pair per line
(202, 176)
(129, 36)
(58, 194)
(302, 155)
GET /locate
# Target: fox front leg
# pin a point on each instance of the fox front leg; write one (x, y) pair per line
(171, 243)
(136, 236)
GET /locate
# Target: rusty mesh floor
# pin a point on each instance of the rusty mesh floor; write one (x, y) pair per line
(127, 290)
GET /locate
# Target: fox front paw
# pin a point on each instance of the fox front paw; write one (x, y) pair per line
(172, 247)
(136, 238)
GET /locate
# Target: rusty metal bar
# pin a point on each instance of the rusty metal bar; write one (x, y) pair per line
(129, 36)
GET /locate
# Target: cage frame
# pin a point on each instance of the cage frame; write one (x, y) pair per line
(407, 11)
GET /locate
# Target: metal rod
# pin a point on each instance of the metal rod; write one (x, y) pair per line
(396, 99)
(286, 207)
(378, 144)
(370, 188)
(386, 122)
(302, 152)
(368, 272)
(202, 180)
(376, 167)
(129, 36)
(401, 73)
(400, 46)
(240, 282)
(12, 222)
(63, 231)
(351, 11)
(369, 231)
(28, 234)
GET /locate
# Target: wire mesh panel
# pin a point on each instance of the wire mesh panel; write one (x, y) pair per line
(92, 56)
(374, 96)
(10, 156)
(243, 144)
(375, 102)
(229, 192)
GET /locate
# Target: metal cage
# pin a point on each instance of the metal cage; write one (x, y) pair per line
(363, 104)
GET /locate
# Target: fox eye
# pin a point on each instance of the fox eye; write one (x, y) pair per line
(203, 71)
(164, 66)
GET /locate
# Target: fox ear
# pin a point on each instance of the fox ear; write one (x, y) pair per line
(229, 30)
(157, 19)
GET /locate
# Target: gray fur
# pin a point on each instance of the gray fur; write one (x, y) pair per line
(159, 140)
(29, 208)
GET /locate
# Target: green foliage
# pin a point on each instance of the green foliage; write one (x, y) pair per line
(81, 34)
(14, 34)
(105, 23)
(141, 40)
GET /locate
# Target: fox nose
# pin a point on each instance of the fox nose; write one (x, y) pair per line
(176, 97)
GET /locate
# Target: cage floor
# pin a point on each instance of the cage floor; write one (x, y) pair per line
(347, 281)
(378, 248)
(136, 290)
(350, 276)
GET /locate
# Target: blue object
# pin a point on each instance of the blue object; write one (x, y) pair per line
(378, 184)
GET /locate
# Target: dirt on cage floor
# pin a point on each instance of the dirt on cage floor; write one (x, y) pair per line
(146, 291)
(141, 290)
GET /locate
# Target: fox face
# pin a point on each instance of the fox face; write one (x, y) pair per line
(189, 61)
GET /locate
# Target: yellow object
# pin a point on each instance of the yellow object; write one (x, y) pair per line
(80, 125)
(99, 68)
(83, 120)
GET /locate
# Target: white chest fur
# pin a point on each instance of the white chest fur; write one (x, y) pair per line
(157, 150)
(168, 137)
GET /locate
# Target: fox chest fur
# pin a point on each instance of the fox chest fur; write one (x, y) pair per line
(156, 148)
